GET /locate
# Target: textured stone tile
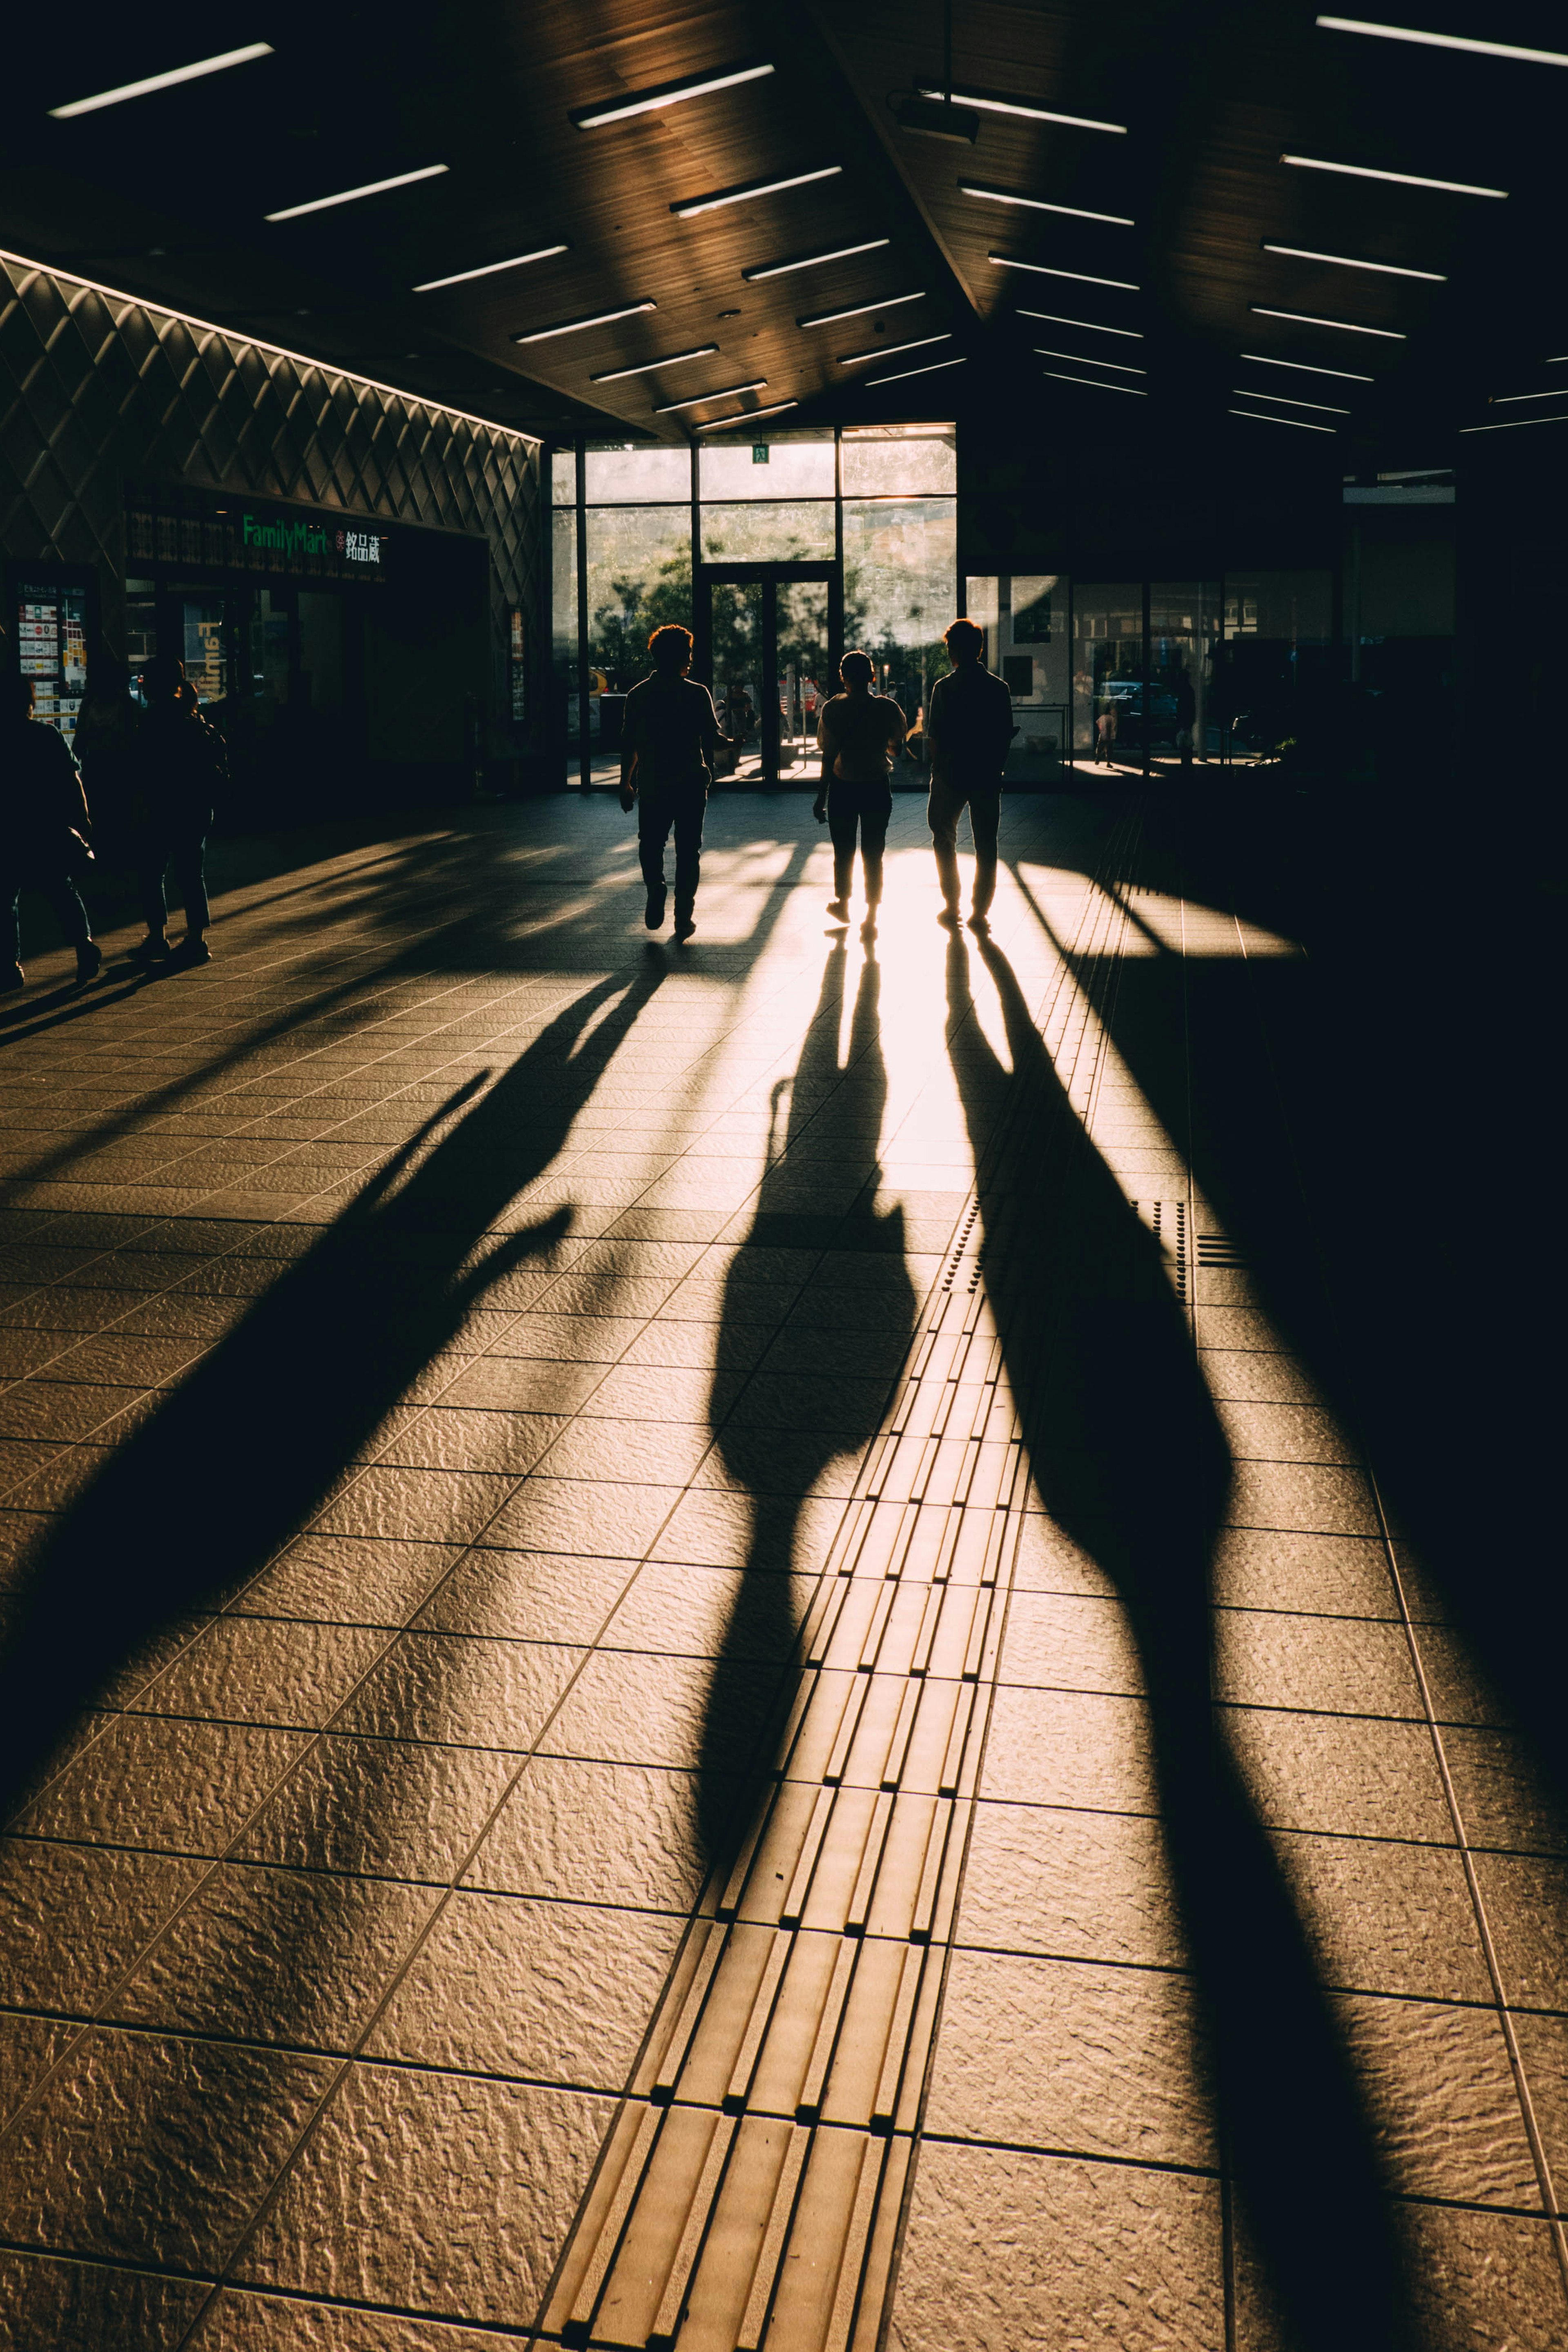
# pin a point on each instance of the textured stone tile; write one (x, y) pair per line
(1006, 2249)
(528, 1596)
(29, 2046)
(705, 1612)
(1308, 1500)
(685, 1346)
(1090, 1886)
(1056, 1747)
(347, 1580)
(1526, 1902)
(1257, 1432)
(154, 2150)
(404, 1809)
(592, 1833)
(1385, 1917)
(1348, 1775)
(1333, 1576)
(1048, 1561)
(1442, 2098)
(554, 1992)
(1502, 1795)
(716, 1528)
(1332, 1666)
(1064, 1642)
(524, 1384)
(570, 1339)
(445, 1438)
(648, 1453)
(72, 1917)
(1486, 2279)
(263, 1670)
(1247, 1376)
(433, 2192)
(50, 2301)
(608, 1519)
(437, 1506)
(185, 1787)
(241, 2322)
(631, 1709)
(450, 1686)
(276, 1956)
(1072, 2057)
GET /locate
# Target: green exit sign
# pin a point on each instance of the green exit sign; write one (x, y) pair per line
(759, 453)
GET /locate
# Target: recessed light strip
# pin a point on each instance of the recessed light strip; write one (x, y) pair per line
(812, 260)
(352, 195)
(852, 358)
(1249, 392)
(1090, 326)
(1094, 383)
(745, 190)
(650, 367)
(489, 268)
(903, 374)
(1347, 375)
(1510, 424)
(1400, 179)
(1344, 261)
(1341, 326)
(990, 104)
(859, 310)
(1120, 366)
(1038, 204)
(576, 326)
(668, 93)
(1443, 41)
(177, 74)
(1506, 399)
(701, 399)
(1080, 276)
(717, 424)
(1299, 424)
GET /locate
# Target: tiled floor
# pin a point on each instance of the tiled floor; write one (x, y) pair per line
(689, 1661)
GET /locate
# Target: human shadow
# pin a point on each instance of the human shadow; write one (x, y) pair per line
(238, 1457)
(819, 1392)
(1129, 1459)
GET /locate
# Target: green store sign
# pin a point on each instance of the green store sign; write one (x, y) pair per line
(286, 535)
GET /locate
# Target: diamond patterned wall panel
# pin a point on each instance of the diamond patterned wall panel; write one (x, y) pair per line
(97, 389)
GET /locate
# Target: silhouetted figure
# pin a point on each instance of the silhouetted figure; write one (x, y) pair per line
(1105, 735)
(108, 726)
(1187, 713)
(182, 770)
(859, 734)
(44, 833)
(669, 742)
(970, 726)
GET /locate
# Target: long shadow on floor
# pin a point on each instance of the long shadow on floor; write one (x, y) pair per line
(1129, 1461)
(819, 1391)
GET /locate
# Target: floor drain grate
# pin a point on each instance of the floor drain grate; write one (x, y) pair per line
(1218, 1249)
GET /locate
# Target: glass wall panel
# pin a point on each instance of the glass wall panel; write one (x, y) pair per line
(563, 478)
(793, 466)
(1184, 632)
(1276, 666)
(900, 584)
(1107, 671)
(804, 679)
(737, 683)
(792, 530)
(621, 472)
(639, 576)
(891, 459)
(1025, 617)
(563, 615)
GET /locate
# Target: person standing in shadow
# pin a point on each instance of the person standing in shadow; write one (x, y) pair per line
(183, 772)
(107, 728)
(669, 740)
(970, 726)
(859, 735)
(777, 1446)
(43, 833)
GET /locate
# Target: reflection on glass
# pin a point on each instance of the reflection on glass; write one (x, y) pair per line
(804, 677)
(901, 581)
(792, 530)
(1183, 626)
(737, 681)
(637, 475)
(1107, 671)
(639, 577)
(1025, 617)
(564, 616)
(563, 478)
(202, 645)
(787, 466)
(893, 459)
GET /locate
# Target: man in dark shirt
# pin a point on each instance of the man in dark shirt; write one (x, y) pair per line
(970, 728)
(669, 737)
(43, 833)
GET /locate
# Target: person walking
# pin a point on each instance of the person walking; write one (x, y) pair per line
(183, 770)
(107, 726)
(43, 831)
(970, 726)
(669, 742)
(859, 735)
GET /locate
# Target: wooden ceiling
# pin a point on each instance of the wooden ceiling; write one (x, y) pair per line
(166, 196)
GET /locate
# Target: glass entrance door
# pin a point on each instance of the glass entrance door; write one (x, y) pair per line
(768, 640)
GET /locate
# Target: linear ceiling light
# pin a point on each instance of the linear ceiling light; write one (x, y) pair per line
(576, 326)
(1297, 423)
(1400, 179)
(489, 268)
(1343, 326)
(903, 374)
(744, 190)
(851, 359)
(177, 74)
(1249, 392)
(1509, 424)
(812, 260)
(717, 424)
(649, 367)
(1090, 326)
(859, 310)
(1443, 41)
(1344, 261)
(1120, 366)
(1038, 204)
(668, 93)
(990, 105)
(1094, 383)
(352, 196)
(1081, 277)
(701, 399)
(1347, 375)
(1507, 399)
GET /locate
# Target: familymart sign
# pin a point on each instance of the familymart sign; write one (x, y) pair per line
(292, 541)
